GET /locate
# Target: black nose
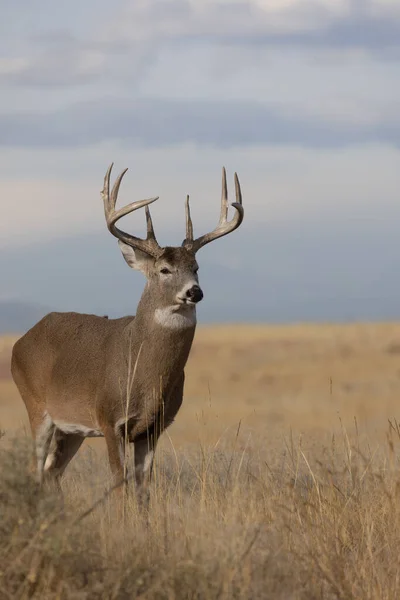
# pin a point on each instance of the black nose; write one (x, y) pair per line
(195, 294)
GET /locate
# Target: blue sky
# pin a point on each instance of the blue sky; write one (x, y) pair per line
(300, 97)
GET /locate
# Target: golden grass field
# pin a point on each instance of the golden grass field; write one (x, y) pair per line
(279, 479)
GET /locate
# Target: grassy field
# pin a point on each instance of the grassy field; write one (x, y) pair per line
(279, 479)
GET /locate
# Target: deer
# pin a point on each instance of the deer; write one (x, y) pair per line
(82, 375)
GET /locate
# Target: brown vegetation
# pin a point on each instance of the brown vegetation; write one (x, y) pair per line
(279, 480)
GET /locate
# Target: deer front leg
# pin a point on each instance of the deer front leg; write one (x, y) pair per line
(145, 444)
(114, 444)
(144, 457)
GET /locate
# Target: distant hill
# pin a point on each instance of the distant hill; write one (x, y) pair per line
(342, 271)
(17, 316)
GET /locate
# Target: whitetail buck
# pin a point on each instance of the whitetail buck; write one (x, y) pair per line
(87, 376)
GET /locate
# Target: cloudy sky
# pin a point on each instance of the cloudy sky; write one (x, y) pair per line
(300, 97)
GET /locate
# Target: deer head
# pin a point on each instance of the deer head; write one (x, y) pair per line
(172, 272)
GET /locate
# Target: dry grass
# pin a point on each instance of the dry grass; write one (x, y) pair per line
(222, 524)
(280, 480)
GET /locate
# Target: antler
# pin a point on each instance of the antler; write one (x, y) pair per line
(149, 245)
(224, 226)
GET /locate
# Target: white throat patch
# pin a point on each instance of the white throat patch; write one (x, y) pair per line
(171, 318)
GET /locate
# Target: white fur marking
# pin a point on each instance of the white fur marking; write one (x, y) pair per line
(171, 318)
(148, 461)
(118, 425)
(43, 438)
(77, 429)
(49, 461)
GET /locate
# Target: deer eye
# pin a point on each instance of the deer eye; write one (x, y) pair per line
(196, 270)
(165, 271)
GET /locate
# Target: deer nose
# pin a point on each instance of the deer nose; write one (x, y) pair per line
(194, 294)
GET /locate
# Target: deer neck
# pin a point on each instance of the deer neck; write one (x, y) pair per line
(164, 336)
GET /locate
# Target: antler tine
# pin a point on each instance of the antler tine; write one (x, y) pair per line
(149, 245)
(105, 194)
(238, 192)
(224, 226)
(224, 198)
(149, 224)
(115, 190)
(189, 224)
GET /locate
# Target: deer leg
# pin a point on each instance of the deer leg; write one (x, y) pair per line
(40, 423)
(145, 444)
(144, 457)
(115, 448)
(62, 450)
(43, 435)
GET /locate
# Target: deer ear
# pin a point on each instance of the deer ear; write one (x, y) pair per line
(135, 258)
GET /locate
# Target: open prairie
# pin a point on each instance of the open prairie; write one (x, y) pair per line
(279, 479)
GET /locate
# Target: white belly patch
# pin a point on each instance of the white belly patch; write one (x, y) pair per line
(77, 429)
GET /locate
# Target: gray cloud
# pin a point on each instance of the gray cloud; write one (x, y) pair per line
(61, 59)
(379, 36)
(307, 23)
(138, 33)
(155, 122)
